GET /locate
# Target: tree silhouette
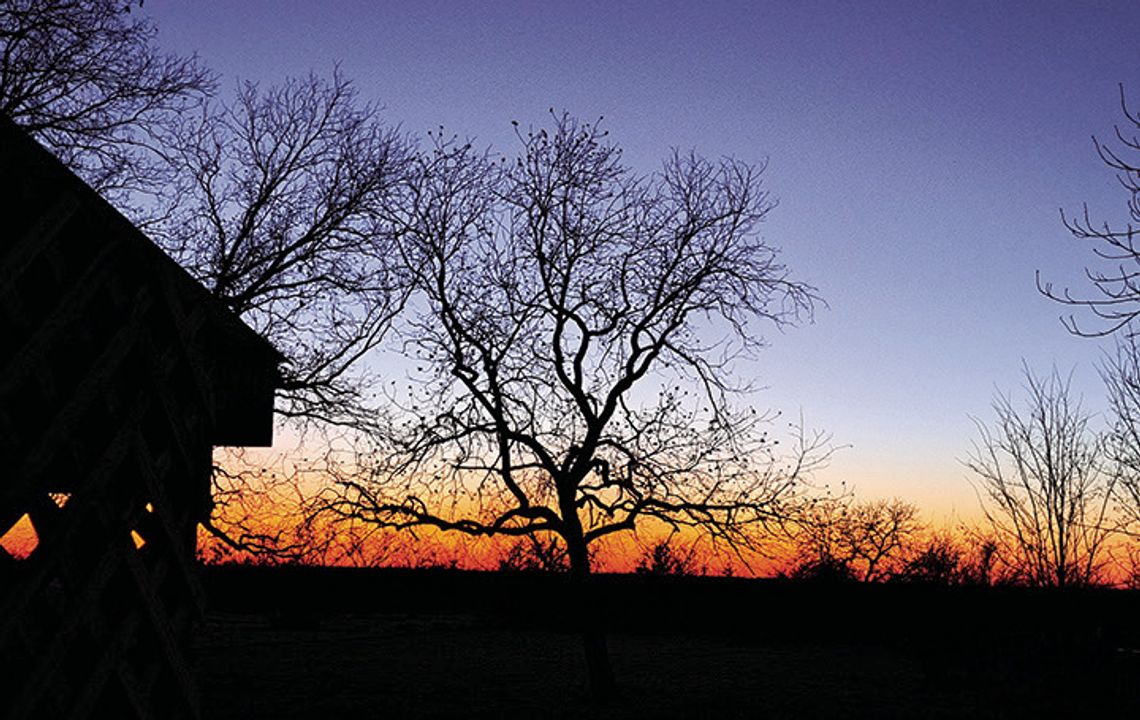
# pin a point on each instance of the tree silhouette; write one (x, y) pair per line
(1121, 375)
(278, 212)
(1116, 301)
(838, 539)
(665, 556)
(279, 215)
(83, 77)
(1044, 485)
(533, 553)
(573, 340)
(940, 560)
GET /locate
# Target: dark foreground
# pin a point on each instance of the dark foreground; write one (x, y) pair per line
(292, 643)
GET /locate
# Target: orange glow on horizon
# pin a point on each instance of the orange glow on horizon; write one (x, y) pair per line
(272, 517)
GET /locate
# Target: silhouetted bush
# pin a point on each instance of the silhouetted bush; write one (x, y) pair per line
(533, 554)
(938, 563)
(824, 569)
(665, 558)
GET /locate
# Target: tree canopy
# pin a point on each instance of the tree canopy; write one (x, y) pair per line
(575, 329)
(85, 78)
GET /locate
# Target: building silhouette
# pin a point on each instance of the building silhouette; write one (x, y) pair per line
(118, 375)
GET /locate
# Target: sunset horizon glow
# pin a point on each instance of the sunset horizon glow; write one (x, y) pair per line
(919, 156)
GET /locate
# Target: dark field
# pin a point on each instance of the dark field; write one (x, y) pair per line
(308, 643)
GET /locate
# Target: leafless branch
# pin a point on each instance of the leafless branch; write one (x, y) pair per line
(84, 77)
(1115, 303)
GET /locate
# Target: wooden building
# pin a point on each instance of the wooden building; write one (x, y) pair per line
(118, 374)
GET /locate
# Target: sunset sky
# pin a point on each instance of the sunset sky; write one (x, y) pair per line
(919, 156)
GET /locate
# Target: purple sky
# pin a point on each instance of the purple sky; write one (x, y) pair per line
(919, 156)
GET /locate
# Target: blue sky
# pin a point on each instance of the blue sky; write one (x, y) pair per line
(920, 152)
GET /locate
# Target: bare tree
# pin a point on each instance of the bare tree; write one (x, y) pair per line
(1116, 301)
(837, 539)
(272, 200)
(1045, 485)
(819, 552)
(278, 212)
(573, 345)
(1129, 562)
(279, 215)
(84, 78)
(879, 533)
(968, 556)
(1121, 375)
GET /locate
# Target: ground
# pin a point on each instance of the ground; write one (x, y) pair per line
(324, 663)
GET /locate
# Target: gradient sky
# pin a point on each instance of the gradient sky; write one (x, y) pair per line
(919, 151)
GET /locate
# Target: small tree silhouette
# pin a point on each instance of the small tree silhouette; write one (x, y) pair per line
(532, 553)
(1045, 486)
(665, 557)
(938, 562)
(839, 539)
(823, 569)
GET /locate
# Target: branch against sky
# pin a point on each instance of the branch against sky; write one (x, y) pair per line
(271, 200)
(85, 79)
(1046, 485)
(278, 214)
(1116, 297)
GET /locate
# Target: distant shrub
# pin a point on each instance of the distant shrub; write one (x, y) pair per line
(534, 554)
(980, 564)
(939, 562)
(665, 558)
(1130, 566)
(823, 569)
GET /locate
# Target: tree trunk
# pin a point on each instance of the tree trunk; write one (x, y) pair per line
(601, 674)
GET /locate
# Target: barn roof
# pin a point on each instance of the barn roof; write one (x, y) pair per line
(66, 255)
